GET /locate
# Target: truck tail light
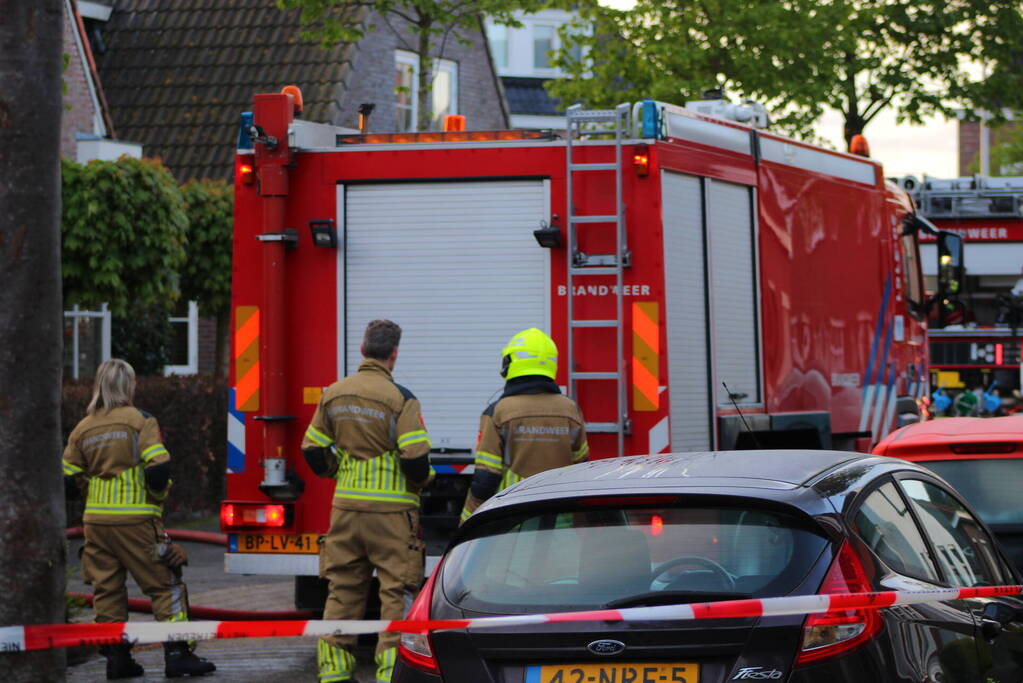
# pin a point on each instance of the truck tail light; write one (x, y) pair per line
(246, 175)
(641, 160)
(828, 635)
(415, 649)
(235, 516)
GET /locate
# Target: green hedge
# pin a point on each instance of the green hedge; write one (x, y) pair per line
(192, 411)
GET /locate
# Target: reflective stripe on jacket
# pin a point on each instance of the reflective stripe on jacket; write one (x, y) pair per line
(530, 429)
(370, 424)
(111, 451)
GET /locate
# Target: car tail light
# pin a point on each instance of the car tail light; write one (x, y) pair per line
(235, 516)
(415, 649)
(835, 633)
(978, 448)
(628, 501)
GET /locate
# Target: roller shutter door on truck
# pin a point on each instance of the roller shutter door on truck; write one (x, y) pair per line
(686, 312)
(733, 291)
(456, 265)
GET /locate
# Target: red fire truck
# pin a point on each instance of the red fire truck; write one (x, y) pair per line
(689, 268)
(975, 341)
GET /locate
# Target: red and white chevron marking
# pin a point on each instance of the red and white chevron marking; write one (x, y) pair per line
(22, 638)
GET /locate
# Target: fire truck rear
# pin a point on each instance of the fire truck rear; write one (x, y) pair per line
(975, 332)
(690, 268)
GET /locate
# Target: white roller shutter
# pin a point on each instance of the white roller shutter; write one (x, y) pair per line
(733, 295)
(456, 265)
(686, 312)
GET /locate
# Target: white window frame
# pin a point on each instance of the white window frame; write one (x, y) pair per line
(411, 60)
(192, 320)
(76, 314)
(493, 26)
(551, 70)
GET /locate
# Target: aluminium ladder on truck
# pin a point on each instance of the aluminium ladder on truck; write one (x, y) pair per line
(582, 123)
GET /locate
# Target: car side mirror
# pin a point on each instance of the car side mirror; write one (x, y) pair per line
(951, 268)
(1002, 613)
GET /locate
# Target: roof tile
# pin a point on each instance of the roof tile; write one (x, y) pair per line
(178, 72)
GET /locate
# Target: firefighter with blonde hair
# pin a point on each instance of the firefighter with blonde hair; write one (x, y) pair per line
(368, 435)
(532, 427)
(117, 451)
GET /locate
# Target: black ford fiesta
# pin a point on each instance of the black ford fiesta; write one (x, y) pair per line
(698, 527)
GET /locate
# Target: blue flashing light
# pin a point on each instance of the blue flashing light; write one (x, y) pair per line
(244, 140)
(651, 120)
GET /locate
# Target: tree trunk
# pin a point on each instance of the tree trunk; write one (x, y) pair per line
(424, 102)
(32, 579)
(854, 125)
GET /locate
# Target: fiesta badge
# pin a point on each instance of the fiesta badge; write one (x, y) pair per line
(606, 647)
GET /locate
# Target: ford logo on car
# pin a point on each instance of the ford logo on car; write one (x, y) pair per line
(606, 647)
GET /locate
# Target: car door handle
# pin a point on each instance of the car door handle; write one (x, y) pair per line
(990, 629)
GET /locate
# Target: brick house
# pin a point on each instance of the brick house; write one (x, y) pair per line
(87, 131)
(178, 73)
(523, 56)
(969, 142)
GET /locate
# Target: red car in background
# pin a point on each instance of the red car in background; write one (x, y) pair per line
(982, 458)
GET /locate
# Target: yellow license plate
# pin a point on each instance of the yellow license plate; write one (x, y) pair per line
(277, 543)
(614, 673)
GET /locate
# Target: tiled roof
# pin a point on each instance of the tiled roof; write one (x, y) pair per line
(177, 74)
(527, 96)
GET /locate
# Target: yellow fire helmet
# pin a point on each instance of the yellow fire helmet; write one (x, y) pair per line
(530, 352)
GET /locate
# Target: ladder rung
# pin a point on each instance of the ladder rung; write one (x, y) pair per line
(593, 219)
(594, 270)
(593, 375)
(594, 323)
(593, 167)
(603, 427)
(593, 115)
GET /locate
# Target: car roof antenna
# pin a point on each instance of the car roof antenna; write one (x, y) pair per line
(732, 397)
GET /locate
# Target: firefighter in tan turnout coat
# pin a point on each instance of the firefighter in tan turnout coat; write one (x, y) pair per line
(118, 450)
(368, 435)
(532, 427)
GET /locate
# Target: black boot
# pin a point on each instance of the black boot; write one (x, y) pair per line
(119, 662)
(179, 660)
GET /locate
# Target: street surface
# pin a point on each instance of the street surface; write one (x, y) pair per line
(260, 660)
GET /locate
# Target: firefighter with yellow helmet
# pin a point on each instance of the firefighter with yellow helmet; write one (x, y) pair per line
(532, 427)
(368, 435)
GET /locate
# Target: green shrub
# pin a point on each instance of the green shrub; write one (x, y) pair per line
(192, 412)
(123, 233)
(142, 336)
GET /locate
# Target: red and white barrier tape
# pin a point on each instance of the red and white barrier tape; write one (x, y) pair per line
(22, 638)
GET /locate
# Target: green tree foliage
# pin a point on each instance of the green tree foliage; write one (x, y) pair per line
(1007, 153)
(206, 274)
(422, 26)
(1005, 157)
(123, 234)
(801, 57)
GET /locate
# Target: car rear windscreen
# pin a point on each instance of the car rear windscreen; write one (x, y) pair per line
(621, 556)
(992, 487)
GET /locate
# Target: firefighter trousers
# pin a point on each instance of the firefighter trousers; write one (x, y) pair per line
(111, 551)
(358, 543)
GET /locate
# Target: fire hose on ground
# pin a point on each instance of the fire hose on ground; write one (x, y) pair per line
(199, 611)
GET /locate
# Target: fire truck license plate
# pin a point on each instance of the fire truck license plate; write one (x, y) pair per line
(278, 543)
(614, 673)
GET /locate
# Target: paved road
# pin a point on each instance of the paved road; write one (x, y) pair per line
(262, 660)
